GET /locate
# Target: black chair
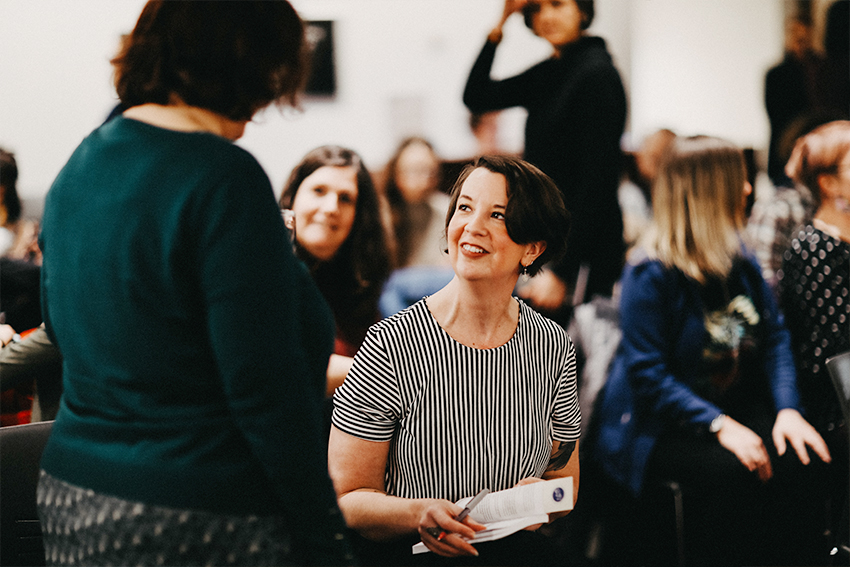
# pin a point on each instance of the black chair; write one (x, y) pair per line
(839, 370)
(20, 455)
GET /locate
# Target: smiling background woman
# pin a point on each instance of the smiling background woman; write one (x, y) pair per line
(576, 114)
(340, 236)
(467, 389)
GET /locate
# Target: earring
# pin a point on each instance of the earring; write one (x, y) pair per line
(523, 272)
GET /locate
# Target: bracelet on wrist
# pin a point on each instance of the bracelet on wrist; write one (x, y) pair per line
(717, 423)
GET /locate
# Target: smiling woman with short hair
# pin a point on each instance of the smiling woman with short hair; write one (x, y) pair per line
(467, 389)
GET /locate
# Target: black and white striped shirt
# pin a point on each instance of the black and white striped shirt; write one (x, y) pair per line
(459, 418)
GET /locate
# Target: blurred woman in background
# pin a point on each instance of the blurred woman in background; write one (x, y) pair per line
(340, 235)
(576, 114)
(418, 209)
(702, 390)
(813, 291)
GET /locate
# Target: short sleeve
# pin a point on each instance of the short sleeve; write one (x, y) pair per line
(566, 418)
(367, 405)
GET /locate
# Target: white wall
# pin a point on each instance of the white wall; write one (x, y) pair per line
(692, 65)
(698, 66)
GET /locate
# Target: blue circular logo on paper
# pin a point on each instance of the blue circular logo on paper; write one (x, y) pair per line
(558, 495)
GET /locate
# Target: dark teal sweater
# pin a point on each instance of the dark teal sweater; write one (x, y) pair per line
(195, 344)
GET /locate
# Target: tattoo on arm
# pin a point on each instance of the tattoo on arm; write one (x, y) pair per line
(562, 455)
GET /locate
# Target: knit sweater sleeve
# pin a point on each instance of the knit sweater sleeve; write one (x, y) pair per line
(271, 335)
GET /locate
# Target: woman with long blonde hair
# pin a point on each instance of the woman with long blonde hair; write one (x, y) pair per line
(703, 390)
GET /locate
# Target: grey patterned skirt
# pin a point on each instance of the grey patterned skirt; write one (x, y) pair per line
(82, 527)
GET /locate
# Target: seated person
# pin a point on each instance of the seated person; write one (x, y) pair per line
(702, 390)
(813, 292)
(32, 361)
(467, 389)
(418, 210)
(340, 236)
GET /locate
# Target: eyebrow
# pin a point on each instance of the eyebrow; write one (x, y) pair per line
(468, 198)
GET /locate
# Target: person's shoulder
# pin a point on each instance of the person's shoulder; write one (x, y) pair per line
(594, 53)
(542, 324)
(644, 273)
(407, 321)
(200, 147)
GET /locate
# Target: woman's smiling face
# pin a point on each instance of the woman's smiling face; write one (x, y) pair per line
(325, 206)
(479, 244)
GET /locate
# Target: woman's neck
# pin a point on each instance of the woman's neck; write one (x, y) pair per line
(474, 316)
(833, 221)
(181, 117)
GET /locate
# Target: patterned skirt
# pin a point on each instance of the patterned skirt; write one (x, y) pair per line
(82, 527)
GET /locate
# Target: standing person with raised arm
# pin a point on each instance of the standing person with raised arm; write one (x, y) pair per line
(467, 389)
(576, 114)
(184, 436)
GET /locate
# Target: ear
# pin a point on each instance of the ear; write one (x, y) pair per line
(532, 252)
(826, 185)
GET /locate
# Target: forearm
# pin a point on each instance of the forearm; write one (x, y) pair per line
(379, 516)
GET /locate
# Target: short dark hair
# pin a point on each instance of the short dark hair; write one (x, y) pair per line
(535, 211)
(9, 181)
(231, 57)
(585, 7)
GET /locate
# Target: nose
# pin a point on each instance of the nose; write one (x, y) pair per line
(476, 223)
(330, 203)
(545, 11)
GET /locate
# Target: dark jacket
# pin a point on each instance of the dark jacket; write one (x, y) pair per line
(576, 114)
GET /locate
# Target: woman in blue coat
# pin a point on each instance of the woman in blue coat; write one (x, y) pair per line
(703, 389)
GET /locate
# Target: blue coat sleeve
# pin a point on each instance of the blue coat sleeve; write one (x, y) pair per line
(271, 335)
(779, 359)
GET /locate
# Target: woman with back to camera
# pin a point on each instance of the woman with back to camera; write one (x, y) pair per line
(184, 436)
(702, 390)
(576, 114)
(340, 236)
(467, 389)
(813, 292)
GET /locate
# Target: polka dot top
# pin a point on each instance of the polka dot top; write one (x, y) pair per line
(813, 289)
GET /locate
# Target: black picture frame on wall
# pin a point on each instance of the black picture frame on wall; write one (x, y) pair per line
(320, 38)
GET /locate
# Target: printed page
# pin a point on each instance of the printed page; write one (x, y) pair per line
(507, 511)
(496, 530)
(540, 497)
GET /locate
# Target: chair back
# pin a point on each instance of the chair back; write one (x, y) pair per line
(21, 447)
(839, 370)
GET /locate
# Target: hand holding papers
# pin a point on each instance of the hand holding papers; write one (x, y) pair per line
(507, 511)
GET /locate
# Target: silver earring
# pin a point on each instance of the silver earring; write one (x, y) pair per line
(523, 271)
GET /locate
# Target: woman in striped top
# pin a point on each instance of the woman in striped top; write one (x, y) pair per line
(467, 389)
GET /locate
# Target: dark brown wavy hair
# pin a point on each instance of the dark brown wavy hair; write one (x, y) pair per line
(233, 58)
(399, 208)
(352, 280)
